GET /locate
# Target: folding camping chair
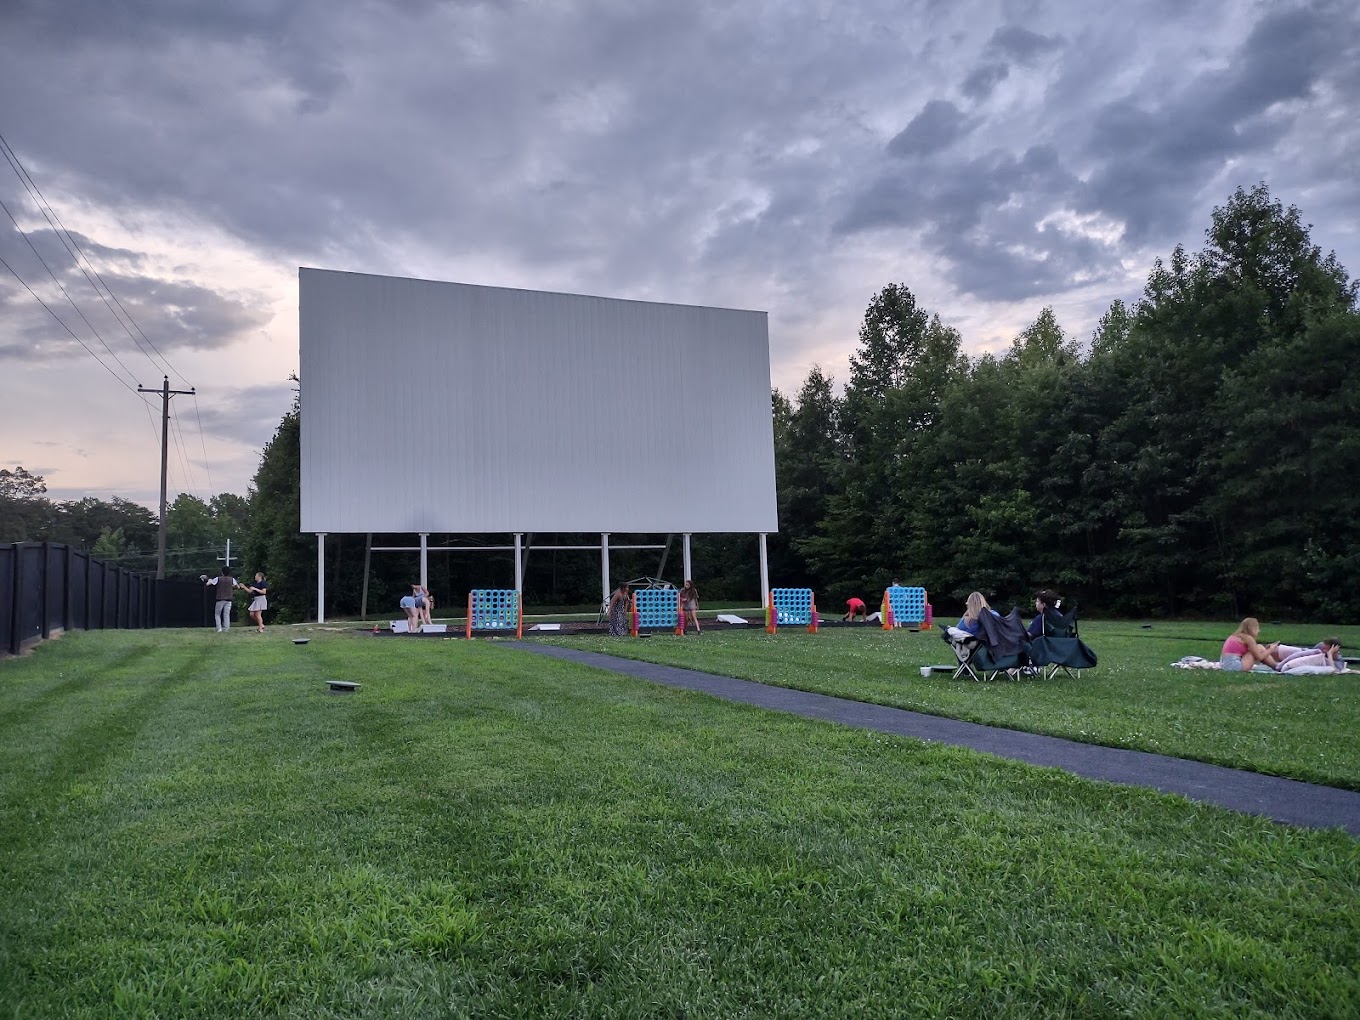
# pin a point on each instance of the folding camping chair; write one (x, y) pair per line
(964, 648)
(1060, 647)
(998, 648)
(1003, 645)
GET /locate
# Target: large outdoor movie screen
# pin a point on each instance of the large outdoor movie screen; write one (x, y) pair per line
(447, 407)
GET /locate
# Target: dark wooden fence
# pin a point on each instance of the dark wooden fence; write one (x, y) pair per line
(47, 588)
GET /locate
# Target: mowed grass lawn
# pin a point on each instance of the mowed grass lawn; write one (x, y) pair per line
(1303, 727)
(191, 827)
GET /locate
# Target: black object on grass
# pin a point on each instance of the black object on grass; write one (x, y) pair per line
(342, 686)
(300, 640)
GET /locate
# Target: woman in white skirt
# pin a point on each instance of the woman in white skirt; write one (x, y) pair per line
(259, 589)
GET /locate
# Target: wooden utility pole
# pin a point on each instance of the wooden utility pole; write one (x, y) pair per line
(166, 393)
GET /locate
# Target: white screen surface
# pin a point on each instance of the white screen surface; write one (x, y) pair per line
(446, 407)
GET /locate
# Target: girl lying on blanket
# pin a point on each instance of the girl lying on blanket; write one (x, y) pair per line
(1326, 653)
(1242, 650)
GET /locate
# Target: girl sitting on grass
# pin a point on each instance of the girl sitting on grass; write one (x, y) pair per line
(1242, 650)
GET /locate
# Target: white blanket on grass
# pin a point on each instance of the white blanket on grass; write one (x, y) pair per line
(1302, 669)
(1199, 662)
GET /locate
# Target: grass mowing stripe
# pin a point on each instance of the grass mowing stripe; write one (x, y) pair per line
(1299, 727)
(475, 836)
(28, 701)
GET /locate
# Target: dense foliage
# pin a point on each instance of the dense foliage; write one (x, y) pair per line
(119, 531)
(1193, 460)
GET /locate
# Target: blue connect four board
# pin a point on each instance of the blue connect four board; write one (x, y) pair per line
(792, 606)
(657, 607)
(908, 604)
(495, 608)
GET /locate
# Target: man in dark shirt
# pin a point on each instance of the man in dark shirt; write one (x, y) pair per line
(226, 586)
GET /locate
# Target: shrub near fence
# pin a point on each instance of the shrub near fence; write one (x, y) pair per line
(47, 588)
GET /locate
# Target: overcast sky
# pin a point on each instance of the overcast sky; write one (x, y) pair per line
(795, 157)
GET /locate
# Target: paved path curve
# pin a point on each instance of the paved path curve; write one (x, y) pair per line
(1284, 800)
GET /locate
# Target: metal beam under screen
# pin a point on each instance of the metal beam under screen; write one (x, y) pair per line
(445, 407)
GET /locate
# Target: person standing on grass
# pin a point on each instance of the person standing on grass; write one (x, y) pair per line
(226, 586)
(689, 606)
(412, 611)
(258, 588)
(619, 605)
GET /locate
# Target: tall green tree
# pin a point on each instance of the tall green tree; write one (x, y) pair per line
(81, 522)
(231, 514)
(808, 463)
(1016, 447)
(899, 374)
(1170, 450)
(191, 535)
(25, 512)
(275, 544)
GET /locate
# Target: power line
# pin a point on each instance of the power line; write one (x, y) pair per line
(204, 443)
(184, 459)
(151, 421)
(70, 300)
(77, 339)
(77, 253)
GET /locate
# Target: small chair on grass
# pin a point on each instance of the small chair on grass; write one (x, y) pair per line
(997, 648)
(1059, 648)
(964, 648)
(1001, 647)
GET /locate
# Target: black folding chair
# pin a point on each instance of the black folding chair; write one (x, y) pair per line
(1060, 648)
(964, 648)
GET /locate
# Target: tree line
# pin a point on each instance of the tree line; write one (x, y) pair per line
(1195, 457)
(119, 531)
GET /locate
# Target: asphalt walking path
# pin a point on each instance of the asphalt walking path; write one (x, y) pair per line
(1283, 800)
